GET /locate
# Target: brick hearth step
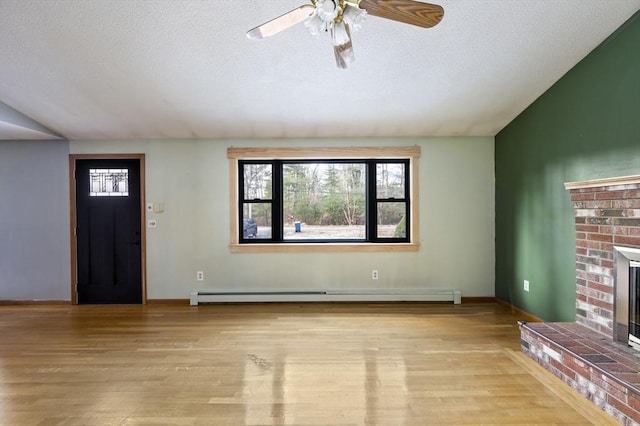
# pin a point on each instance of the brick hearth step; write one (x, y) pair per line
(604, 371)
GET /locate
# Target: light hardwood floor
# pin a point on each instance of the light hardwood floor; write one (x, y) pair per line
(272, 364)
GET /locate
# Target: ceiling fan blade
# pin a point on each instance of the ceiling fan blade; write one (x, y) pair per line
(281, 23)
(424, 15)
(342, 46)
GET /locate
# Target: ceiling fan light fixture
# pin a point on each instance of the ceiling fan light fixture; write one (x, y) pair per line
(315, 25)
(340, 35)
(327, 10)
(354, 16)
(323, 17)
(332, 15)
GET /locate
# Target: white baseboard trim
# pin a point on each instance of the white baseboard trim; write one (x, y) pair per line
(376, 295)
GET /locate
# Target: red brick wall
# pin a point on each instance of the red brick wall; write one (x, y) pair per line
(605, 216)
(608, 383)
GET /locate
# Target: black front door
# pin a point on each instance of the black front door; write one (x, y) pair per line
(108, 231)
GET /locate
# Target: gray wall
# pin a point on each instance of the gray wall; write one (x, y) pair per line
(34, 220)
(191, 179)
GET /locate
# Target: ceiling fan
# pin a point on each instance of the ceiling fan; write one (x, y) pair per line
(338, 17)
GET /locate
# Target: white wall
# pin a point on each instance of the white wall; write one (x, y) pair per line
(191, 179)
(34, 220)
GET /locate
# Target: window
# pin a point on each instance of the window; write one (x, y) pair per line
(108, 182)
(337, 197)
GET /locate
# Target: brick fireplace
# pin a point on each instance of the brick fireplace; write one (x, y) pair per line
(591, 355)
(607, 214)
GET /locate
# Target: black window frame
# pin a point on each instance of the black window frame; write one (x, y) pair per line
(372, 201)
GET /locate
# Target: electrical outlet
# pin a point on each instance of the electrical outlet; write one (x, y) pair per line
(200, 275)
(374, 274)
(526, 285)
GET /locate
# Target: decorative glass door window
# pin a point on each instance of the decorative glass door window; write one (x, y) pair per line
(109, 182)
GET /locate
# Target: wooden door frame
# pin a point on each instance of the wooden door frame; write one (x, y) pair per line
(73, 221)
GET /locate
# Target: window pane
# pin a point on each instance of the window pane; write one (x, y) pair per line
(108, 182)
(392, 220)
(390, 180)
(324, 200)
(257, 181)
(302, 231)
(256, 220)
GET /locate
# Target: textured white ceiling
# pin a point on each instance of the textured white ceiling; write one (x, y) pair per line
(124, 69)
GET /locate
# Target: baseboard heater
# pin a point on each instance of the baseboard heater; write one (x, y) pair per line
(396, 295)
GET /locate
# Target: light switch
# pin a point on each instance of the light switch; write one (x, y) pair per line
(152, 223)
(149, 207)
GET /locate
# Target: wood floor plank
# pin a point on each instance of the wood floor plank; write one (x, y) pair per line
(275, 364)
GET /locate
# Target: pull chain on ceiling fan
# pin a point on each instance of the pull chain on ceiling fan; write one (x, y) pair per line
(338, 17)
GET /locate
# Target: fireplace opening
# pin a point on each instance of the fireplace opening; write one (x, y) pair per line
(627, 296)
(634, 304)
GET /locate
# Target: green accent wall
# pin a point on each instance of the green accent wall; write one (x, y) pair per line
(586, 126)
